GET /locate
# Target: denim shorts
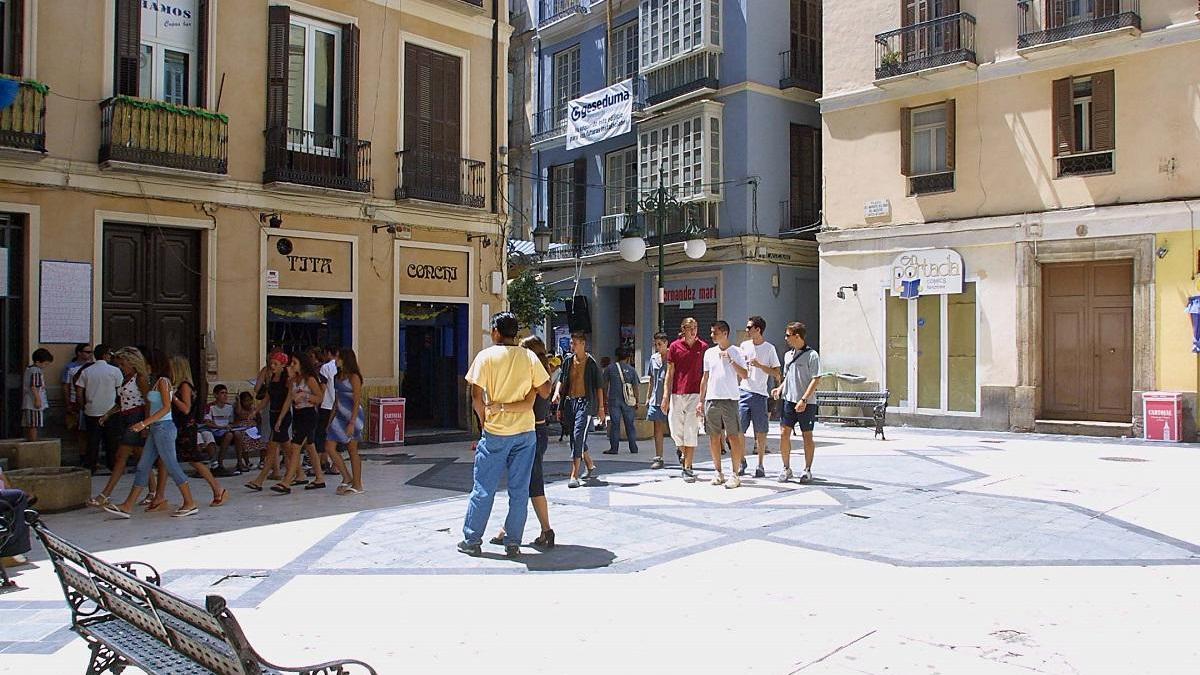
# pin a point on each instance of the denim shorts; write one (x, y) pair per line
(752, 409)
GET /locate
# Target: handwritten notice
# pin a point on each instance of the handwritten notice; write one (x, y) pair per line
(66, 302)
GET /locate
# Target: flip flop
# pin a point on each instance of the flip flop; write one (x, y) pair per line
(112, 509)
(220, 499)
(184, 513)
(349, 490)
(314, 486)
(281, 489)
(254, 486)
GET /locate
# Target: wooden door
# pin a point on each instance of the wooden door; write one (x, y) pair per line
(1087, 333)
(14, 352)
(151, 289)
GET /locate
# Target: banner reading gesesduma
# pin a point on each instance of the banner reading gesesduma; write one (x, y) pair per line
(599, 115)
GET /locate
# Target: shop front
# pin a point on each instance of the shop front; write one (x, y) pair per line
(309, 282)
(696, 296)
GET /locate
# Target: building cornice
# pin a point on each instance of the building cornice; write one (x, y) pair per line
(792, 94)
(466, 19)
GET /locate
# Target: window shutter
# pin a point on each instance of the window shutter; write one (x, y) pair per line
(1064, 117)
(1056, 14)
(579, 202)
(906, 141)
(950, 133)
(1103, 111)
(412, 97)
(806, 175)
(350, 81)
(128, 41)
(452, 95)
(949, 7)
(278, 26)
(202, 9)
(16, 10)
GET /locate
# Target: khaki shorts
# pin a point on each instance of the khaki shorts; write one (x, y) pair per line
(721, 415)
(685, 423)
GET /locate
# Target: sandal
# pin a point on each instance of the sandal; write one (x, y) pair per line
(545, 539)
(314, 486)
(184, 513)
(299, 481)
(350, 490)
(147, 501)
(254, 486)
(219, 499)
(498, 539)
(281, 489)
(99, 501)
(114, 510)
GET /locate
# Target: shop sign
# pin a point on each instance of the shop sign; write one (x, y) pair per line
(429, 272)
(932, 272)
(691, 292)
(171, 22)
(303, 264)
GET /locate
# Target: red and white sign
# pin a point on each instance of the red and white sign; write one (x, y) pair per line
(387, 421)
(697, 292)
(1162, 416)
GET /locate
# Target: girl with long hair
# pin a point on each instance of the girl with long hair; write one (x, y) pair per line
(304, 395)
(160, 443)
(273, 388)
(189, 449)
(347, 423)
(537, 483)
(130, 409)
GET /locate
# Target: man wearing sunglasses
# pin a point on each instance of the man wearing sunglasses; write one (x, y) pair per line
(762, 363)
(801, 374)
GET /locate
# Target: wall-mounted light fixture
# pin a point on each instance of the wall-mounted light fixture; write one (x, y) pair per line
(389, 227)
(841, 292)
(487, 239)
(1162, 252)
(271, 219)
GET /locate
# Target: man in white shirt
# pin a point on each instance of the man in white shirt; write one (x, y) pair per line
(762, 362)
(724, 366)
(97, 388)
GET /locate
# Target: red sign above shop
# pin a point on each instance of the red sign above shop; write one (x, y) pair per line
(696, 291)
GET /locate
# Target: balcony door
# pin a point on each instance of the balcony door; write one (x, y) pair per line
(926, 41)
(432, 124)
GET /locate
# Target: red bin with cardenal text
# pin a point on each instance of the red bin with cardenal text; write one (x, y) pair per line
(387, 421)
(1162, 415)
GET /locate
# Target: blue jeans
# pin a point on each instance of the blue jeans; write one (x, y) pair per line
(618, 410)
(578, 423)
(496, 455)
(160, 444)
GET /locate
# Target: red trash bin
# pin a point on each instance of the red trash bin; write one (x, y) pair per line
(387, 421)
(1162, 416)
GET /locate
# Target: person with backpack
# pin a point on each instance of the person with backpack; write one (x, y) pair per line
(620, 380)
(801, 374)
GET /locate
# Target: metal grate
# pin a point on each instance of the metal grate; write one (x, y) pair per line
(1085, 164)
(931, 183)
(1042, 22)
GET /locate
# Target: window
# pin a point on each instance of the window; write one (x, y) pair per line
(562, 204)
(620, 180)
(313, 64)
(1078, 11)
(931, 352)
(11, 32)
(167, 52)
(688, 149)
(927, 147)
(672, 28)
(805, 204)
(566, 81)
(623, 52)
(1084, 123)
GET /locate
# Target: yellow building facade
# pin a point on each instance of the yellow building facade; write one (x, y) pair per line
(1025, 166)
(210, 177)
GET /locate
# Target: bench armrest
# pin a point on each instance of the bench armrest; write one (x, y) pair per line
(140, 570)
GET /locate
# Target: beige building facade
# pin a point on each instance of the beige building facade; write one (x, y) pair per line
(210, 177)
(1010, 206)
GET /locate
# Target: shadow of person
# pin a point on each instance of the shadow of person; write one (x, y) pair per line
(561, 558)
(821, 482)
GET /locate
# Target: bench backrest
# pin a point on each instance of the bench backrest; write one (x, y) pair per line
(77, 583)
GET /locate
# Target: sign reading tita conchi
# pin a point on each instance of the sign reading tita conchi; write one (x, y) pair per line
(599, 115)
(301, 264)
(933, 272)
(430, 272)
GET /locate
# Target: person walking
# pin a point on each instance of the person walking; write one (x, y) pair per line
(762, 363)
(505, 381)
(305, 393)
(724, 366)
(327, 369)
(657, 370)
(33, 393)
(96, 389)
(130, 409)
(348, 421)
(620, 380)
(187, 447)
(801, 374)
(582, 399)
(273, 386)
(685, 368)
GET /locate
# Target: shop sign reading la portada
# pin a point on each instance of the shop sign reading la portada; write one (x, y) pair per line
(930, 272)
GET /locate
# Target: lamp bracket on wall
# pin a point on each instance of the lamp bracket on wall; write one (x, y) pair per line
(271, 219)
(487, 239)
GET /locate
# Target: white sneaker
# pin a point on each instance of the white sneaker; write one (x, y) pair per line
(784, 476)
(573, 483)
(719, 479)
(733, 482)
(806, 476)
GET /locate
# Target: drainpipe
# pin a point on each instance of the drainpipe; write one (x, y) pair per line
(495, 153)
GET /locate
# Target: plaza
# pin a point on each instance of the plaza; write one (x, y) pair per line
(952, 552)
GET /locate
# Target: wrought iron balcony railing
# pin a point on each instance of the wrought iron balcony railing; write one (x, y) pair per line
(23, 124)
(153, 133)
(553, 11)
(441, 177)
(801, 70)
(929, 44)
(800, 220)
(1042, 22)
(317, 160)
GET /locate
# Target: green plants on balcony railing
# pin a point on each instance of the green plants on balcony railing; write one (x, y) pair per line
(147, 104)
(23, 123)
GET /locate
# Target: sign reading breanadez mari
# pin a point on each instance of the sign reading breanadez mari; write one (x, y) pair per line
(599, 115)
(433, 273)
(939, 271)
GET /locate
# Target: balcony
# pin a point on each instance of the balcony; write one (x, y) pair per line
(316, 160)
(23, 124)
(551, 12)
(937, 44)
(441, 177)
(1046, 22)
(696, 73)
(801, 70)
(145, 133)
(798, 220)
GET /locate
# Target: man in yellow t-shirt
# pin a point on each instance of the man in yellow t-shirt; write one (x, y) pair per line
(505, 380)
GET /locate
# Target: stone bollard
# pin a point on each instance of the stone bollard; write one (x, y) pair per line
(24, 454)
(59, 488)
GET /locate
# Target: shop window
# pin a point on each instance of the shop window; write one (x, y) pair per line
(299, 323)
(931, 359)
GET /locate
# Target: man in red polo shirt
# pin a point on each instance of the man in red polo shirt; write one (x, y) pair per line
(685, 368)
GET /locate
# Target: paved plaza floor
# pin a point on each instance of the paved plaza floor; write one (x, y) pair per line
(931, 552)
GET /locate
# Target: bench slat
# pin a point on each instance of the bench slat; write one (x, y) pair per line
(141, 650)
(139, 616)
(168, 603)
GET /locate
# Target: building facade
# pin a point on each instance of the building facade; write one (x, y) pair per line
(724, 119)
(1011, 209)
(212, 176)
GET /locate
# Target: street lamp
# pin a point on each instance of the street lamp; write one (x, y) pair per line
(541, 238)
(660, 201)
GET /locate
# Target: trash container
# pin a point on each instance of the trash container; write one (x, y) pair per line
(1162, 416)
(387, 420)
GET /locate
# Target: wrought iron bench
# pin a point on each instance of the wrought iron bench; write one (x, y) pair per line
(875, 401)
(128, 619)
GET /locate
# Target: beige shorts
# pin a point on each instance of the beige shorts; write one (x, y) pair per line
(685, 423)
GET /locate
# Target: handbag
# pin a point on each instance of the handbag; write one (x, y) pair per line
(627, 390)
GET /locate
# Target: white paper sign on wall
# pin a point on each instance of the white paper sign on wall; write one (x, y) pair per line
(877, 208)
(936, 271)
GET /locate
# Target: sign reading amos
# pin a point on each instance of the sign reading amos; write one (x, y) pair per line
(429, 272)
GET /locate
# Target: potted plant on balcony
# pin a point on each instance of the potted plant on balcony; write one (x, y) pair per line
(889, 63)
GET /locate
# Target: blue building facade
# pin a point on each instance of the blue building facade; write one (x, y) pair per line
(725, 113)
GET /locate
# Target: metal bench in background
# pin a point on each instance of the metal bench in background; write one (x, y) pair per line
(128, 619)
(874, 402)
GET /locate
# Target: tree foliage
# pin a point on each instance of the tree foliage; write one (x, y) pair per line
(529, 299)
